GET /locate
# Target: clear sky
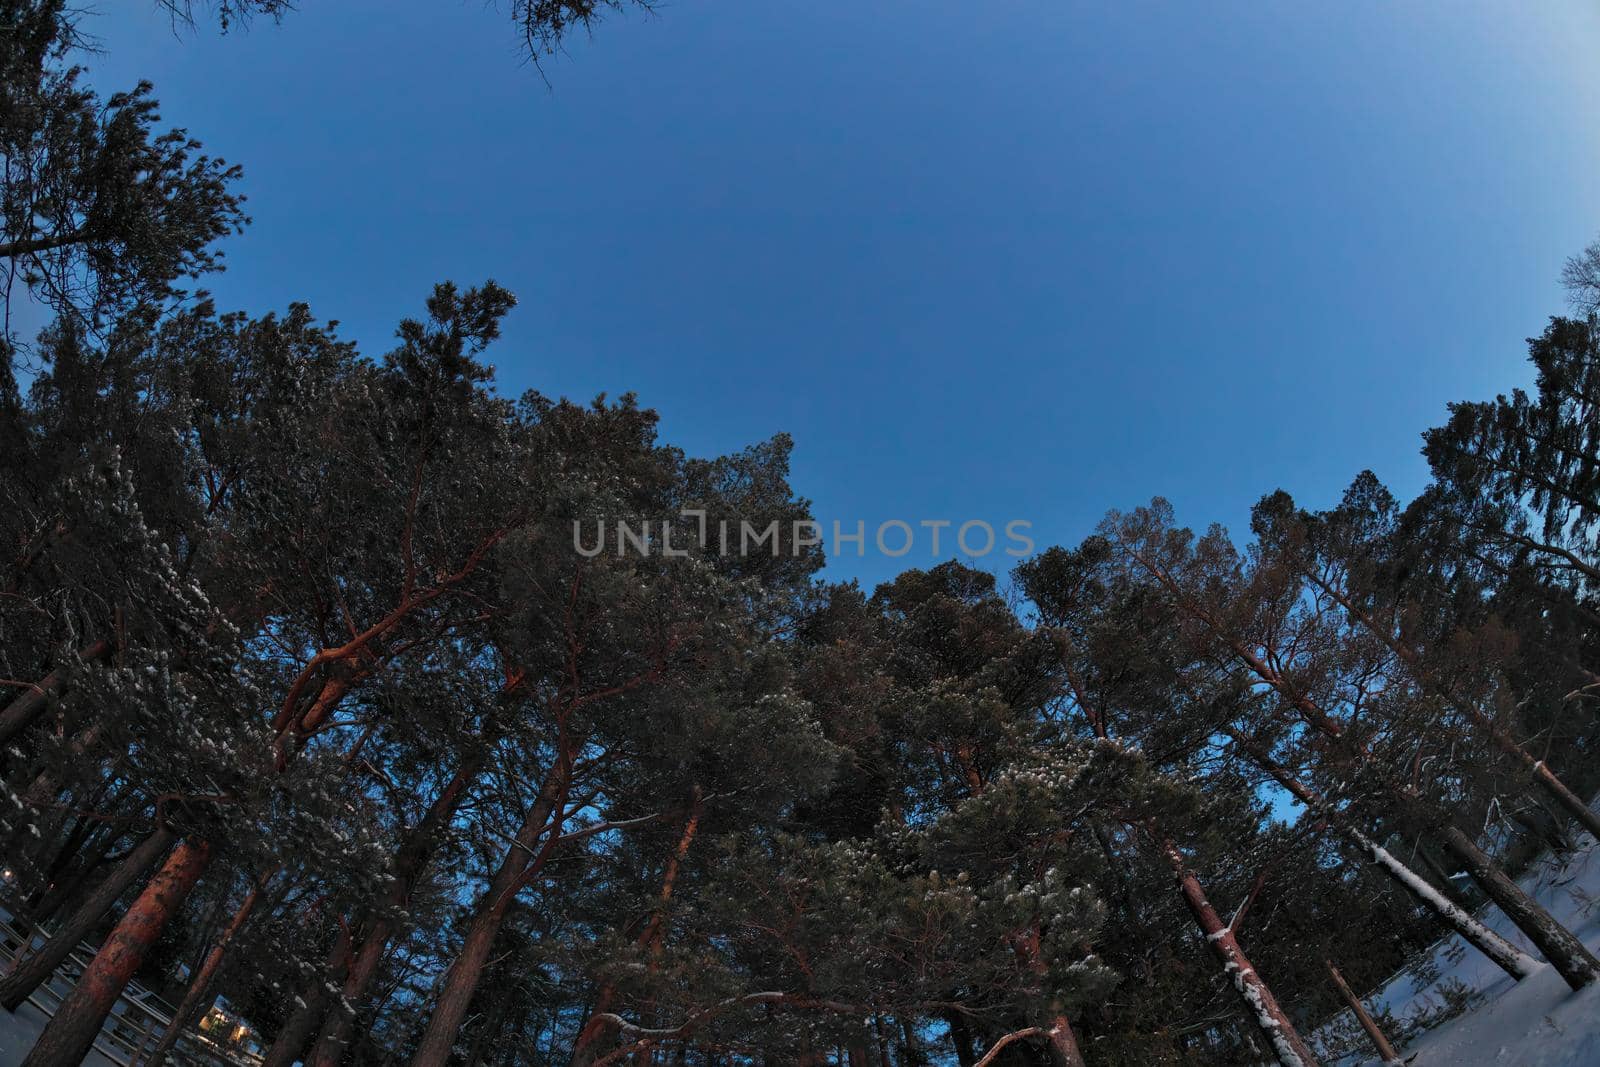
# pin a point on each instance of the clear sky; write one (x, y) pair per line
(1023, 259)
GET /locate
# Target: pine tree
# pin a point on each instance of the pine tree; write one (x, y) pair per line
(98, 211)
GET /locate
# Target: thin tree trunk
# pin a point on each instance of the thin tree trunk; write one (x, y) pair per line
(882, 1041)
(409, 863)
(69, 1036)
(21, 712)
(67, 886)
(199, 993)
(913, 1044)
(1380, 1041)
(461, 980)
(42, 792)
(312, 1008)
(32, 970)
(1537, 768)
(587, 1048)
(46, 785)
(55, 863)
(1564, 951)
(960, 1039)
(1504, 954)
(1285, 1041)
(494, 1021)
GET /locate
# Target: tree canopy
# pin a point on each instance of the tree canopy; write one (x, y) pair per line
(316, 711)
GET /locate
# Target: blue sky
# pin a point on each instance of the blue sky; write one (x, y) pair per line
(1028, 259)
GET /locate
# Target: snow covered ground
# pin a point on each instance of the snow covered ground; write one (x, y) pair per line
(1537, 1022)
(18, 1032)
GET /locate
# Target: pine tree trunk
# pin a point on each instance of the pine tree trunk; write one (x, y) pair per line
(204, 979)
(20, 713)
(912, 1044)
(313, 1007)
(67, 886)
(1285, 1041)
(960, 1039)
(1540, 771)
(1380, 1041)
(494, 1022)
(460, 982)
(882, 1041)
(1504, 954)
(1508, 957)
(32, 970)
(55, 863)
(69, 1036)
(409, 863)
(587, 1048)
(47, 784)
(339, 1022)
(1586, 816)
(40, 822)
(1565, 952)
(1063, 1044)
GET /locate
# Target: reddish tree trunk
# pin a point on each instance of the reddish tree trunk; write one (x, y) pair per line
(30, 971)
(45, 786)
(1379, 1039)
(199, 993)
(1586, 816)
(1286, 1042)
(587, 1047)
(460, 982)
(409, 863)
(1061, 1042)
(69, 1036)
(308, 1014)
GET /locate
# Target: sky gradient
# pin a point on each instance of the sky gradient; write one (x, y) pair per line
(1019, 260)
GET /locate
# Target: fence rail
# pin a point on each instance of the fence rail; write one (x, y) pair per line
(137, 1020)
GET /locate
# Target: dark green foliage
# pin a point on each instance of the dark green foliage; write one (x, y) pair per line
(509, 802)
(98, 210)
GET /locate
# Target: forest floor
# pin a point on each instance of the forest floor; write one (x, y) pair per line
(1448, 1008)
(1537, 1022)
(20, 1029)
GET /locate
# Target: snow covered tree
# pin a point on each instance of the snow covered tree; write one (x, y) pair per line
(1250, 618)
